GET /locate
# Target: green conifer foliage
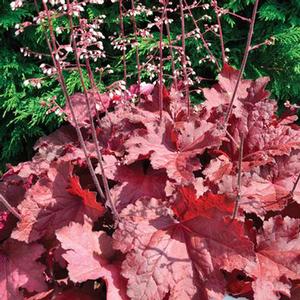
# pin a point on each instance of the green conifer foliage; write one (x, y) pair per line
(21, 114)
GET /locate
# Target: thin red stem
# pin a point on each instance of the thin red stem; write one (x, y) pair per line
(295, 185)
(217, 11)
(93, 129)
(161, 65)
(243, 65)
(94, 86)
(9, 207)
(183, 59)
(122, 37)
(136, 47)
(202, 37)
(237, 16)
(170, 48)
(238, 198)
(53, 49)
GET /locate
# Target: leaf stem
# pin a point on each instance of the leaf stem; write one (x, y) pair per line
(133, 20)
(202, 37)
(170, 48)
(122, 37)
(183, 60)
(217, 11)
(93, 129)
(295, 184)
(238, 198)
(9, 207)
(161, 66)
(243, 65)
(53, 49)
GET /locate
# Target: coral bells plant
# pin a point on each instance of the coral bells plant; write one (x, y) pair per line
(145, 196)
(174, 182)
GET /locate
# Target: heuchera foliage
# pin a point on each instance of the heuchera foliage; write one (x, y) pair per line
(174, 181)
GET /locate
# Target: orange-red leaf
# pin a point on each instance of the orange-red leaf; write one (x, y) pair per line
(88, 197)
(188, 206)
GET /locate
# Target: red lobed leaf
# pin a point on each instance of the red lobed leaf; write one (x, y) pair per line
(136, 181)
(19, 269)
(88, 254)
(48, 205)
(188, 206)
(278, 258)
(258, 195)
(193, 164)
(182, 259)
(220, 94)
(97, 102)
(88, 197)
(177, 154)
